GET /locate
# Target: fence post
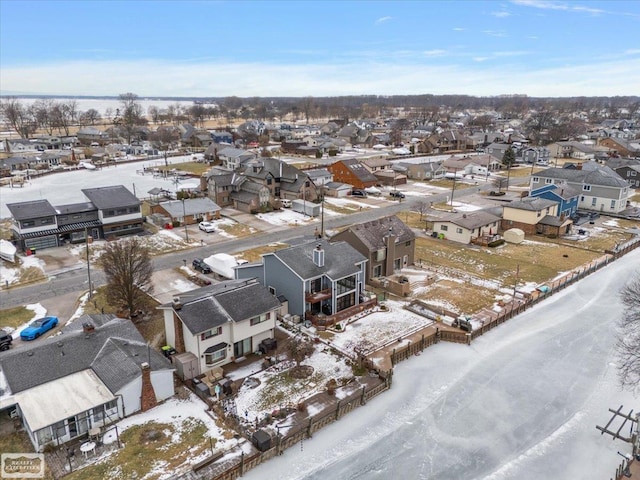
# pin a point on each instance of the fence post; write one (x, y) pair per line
(338, 410)
(309, 428)
(241, 463)
(393, 358)
(362, 399)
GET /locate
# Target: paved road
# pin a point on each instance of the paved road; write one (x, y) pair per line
(75, 280)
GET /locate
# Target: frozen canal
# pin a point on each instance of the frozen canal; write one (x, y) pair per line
(521, 403)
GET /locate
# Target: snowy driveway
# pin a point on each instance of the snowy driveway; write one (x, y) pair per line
(521, 403)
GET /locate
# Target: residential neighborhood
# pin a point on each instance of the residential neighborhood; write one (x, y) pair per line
(296, 263)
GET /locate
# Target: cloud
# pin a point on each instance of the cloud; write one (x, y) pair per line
(501, 14)
(495, 33)
(156, 78)
(434, 53)
(458, 29)
(382, 20)
(569, 7)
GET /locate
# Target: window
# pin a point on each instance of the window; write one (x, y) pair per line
(539, 213)
(215, 357)
(272, 290)
(377, 271)
(633, 173)
(535, 179)
(121, 211)
(346, 284)
(586, 188)
(458, 230)
(260, 318)
(582, 198)
(548, 181)
(381, 255)
(593, 202)
(613, 204)
(29, 223)
(407, 244)
(444, 228)
(211, 333)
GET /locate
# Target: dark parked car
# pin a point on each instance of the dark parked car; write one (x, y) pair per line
(199, 265)
(38, 327)
(493, 193)
(5, 340)
(396, 194)
(358, 193)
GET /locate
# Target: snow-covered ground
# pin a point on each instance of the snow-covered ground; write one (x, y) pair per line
(521, 403)
(66, 187)
(10, 273)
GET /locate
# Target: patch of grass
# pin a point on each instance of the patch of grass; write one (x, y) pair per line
(148, 447)
(5, 230)
(464, 296)
(238, 229)
(14, 317)
(444, 206)
(196, 168)
(448, 183)
(519, 171)
(255, 254)
(635, 197)
(413, 219)
(31, 274)
(14, 442)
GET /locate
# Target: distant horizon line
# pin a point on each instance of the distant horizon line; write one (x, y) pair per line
(197, 98)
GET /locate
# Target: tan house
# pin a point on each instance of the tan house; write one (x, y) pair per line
(465, 227)
(387, 243)
(534, 215)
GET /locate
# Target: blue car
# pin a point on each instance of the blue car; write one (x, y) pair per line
(38, 327)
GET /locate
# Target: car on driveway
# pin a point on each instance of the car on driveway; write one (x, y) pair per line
(199, 265)
(38, 327)
(5, 340)
(396, 194)
(358, 193)
(207, 227)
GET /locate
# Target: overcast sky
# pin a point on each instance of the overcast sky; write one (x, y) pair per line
(262, 48)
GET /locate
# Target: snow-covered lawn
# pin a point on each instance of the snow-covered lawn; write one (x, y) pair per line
(286, 216)
(376, 329)
(11, 274)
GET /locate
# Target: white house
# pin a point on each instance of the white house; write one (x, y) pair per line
(100, 369)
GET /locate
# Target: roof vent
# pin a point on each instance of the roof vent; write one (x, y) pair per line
(87, 327)
(177, 304)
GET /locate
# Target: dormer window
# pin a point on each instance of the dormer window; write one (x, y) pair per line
(586, 188)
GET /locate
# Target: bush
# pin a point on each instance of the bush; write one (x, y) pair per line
(333, 153)
(318, 153)
(496, 243)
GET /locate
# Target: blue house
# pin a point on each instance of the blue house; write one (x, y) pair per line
(565, 195)
(221, 136)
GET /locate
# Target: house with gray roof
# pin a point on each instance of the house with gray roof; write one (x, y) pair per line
(600, 188)
(387, 243)
(189, 210)
(232, 157)
(220, 323)
(535, 215)
(97, 371)
(118, 210)
(323, 282)
(466, 226)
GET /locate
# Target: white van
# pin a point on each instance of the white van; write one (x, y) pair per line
(285, 202)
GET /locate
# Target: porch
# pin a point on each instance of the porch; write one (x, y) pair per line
(322, 321)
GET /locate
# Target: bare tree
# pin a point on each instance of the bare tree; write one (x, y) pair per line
(298, 349)
(19, 117)
(628, 345)
(90, 117)
(422, 207)
(128, 268)
(131, 113)
(500, 183)
(164, 138)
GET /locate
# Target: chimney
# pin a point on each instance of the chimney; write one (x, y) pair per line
(88, 328)
(177, 304)
(318, 256)
(147, 395)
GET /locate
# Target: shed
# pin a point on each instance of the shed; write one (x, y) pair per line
(513, 235)
(306, 207)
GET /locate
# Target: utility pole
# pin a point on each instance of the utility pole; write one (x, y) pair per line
(184, 219)
(86, 241)
(322, 212)
(453, 190)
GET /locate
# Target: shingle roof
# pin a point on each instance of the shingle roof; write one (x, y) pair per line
(31, 209)
(471, 220)
(191, 206)
(231, 301)
(373, 233)
(115, 344)
(533, 204)
(359, 170)
(111, 197)
(340, 259)
(593, 174)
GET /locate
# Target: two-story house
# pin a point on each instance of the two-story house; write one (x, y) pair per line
(535, 215)
(387, 243)
(118, 210)
(566, 196)
(323, 282)
(601, 189)
(34, 224)
(220, 323)
(98, 371)
(384, 171)
(232, 157)
(351, 171)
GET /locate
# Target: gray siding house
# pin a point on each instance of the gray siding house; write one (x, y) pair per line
(323, 282)
(600, 188)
